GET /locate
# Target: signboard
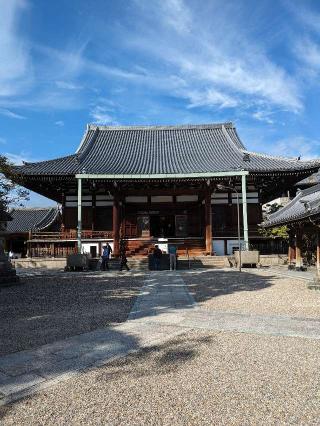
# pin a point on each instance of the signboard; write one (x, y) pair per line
(143, 225)
(181, 225)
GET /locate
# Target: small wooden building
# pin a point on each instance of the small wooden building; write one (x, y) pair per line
(302, 217)
(24, 222)
(160, 184)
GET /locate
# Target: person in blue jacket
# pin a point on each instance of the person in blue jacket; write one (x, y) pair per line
(107, 250)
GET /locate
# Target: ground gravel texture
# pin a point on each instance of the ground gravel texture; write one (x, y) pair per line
(252, 291)
(199, 378)
(48, 308)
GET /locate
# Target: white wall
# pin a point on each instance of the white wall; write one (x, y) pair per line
(218, 246)
(86, 247)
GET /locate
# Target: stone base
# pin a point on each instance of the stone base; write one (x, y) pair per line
(8, 275)
(301, 268)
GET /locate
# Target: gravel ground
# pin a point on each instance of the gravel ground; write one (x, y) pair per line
(199, 378)
(45, 309)
(257, 292)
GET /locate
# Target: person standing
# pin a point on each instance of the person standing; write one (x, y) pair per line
(123, 256)
(107, 250)
(157, 254)
(173, 256)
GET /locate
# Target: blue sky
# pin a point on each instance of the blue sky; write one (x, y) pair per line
(67, 63)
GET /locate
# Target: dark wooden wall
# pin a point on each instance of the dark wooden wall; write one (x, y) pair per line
(224, 217)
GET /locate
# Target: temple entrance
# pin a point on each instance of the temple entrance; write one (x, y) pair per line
(162, 226)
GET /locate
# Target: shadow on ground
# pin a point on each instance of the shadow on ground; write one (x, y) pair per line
(164, 358)
(48, 308)
(205, 285)
(44, 311)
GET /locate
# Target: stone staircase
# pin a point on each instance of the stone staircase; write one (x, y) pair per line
(139, 247)
(194, 262)
(195, 247)
(136, 264)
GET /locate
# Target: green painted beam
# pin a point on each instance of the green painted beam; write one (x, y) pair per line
(244, 212)
(162, 176)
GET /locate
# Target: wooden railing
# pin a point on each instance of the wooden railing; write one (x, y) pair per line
(70, 235)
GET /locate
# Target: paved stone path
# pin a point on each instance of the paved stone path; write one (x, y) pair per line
(164, 309)
(285, 272)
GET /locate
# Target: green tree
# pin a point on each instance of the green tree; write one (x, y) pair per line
(11, 193)
(275, 232)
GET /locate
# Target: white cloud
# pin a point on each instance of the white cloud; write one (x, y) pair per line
(263, 116)
(210, 97)
(100, 115)
(19, 158)
(308, 52)
(176, 15)
(16, 67)
(220, 60)
(10, 114)
(310, 18)
(59, 123)
(68, 85)
(296, 146)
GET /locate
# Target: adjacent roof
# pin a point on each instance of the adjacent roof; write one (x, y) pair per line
(32, 219)
(305, 204)
(313, 179)
(150, 150)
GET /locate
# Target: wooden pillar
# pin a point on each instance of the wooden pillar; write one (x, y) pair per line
(29, 251)
(79, 228)
(208, 221)
(115, 225)
(291, 249)
(63, 204)
(298, 248)
(52, 253)
(93, 223)
(318, 250)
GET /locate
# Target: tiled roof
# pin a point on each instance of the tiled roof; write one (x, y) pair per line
(313, 179)
(163, 150)
(305, 204)
(32, 219)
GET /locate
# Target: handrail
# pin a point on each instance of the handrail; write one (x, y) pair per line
(68, 235)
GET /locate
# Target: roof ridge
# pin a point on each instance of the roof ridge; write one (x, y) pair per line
(284, 208)
(228, 124)
(310, 190)
(229, 138)
(279, 157)
(33, 208)
(298, 197)
(51, 212)
(45, 161)
(281, 216)
(82, 154)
